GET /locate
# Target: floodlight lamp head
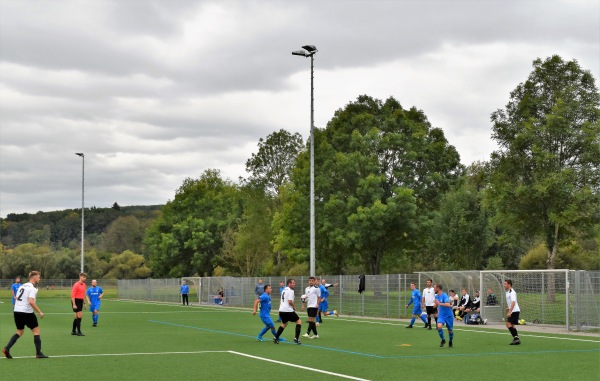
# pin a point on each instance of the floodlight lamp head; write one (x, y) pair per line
(79, 154)
(300, 53)
(310, 48)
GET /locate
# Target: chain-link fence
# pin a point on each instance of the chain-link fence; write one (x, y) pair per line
(563, 298)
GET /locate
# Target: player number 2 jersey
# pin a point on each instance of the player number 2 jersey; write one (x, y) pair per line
(25, 292)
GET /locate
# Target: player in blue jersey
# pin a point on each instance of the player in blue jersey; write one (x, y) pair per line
(415, 300)
(94, 297)
(14, 288)
(323, 303)
(444, 307)
(265, 312)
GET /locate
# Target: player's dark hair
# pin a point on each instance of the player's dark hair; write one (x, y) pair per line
(33, 273)
(266, 285)
(312, 277)
(83, 275)
(290, 281)
(439, 286)
(508, 281)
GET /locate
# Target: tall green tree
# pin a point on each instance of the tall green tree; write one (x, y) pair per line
(380, 172)
(546, 178)
(188, 235)
(272, 164)
(247, 248)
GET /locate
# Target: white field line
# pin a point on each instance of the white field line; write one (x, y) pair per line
(521, 334)
(200, 352)
(299, 366)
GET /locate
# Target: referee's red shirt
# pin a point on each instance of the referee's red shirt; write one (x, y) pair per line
(78, 291)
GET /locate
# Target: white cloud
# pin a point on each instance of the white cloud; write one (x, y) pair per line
(157, 91)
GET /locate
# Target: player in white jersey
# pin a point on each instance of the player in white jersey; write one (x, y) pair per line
(512, 311)
(287, 312)
(428, 302)
(312, 294)
(25, 305)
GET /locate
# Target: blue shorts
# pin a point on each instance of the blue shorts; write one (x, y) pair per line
(267, 321)
(449, 321)
(324, 306)
(94, 307)
(417, 310)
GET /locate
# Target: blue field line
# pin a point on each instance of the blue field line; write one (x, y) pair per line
(388, 357)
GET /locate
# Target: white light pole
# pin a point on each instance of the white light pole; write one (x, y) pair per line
(82, 200)
(309, 51)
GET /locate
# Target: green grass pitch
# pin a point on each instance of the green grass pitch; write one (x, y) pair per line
(142, 341)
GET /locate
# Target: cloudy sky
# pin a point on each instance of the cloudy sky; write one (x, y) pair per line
(154, 92)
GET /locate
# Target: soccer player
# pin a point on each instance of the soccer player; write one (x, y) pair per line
(512, 311)
(287, 312)
(281, 288)
(25, 305)
(14, 288)
(428, 299)
(444, 306)
(313, 294)
(77, 302)
(265, 312)
(324, 303)
(184, 291)
(94, 297)
(415, 300)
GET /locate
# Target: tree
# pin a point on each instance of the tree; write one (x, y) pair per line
(248, 247)
(546, 177)
(380, 172)
(127, 265)
(187, 237)
(271, 165)
(124, 233)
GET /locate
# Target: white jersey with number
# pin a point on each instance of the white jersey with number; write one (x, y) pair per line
(511, 296)
(25, 292)
(312, 296)
(286, 296)
(429, 296)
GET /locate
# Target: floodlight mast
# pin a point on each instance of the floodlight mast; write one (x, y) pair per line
(80, 154)
(309, 51)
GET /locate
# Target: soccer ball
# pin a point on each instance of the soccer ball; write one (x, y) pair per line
(521, 321)
(303, 298)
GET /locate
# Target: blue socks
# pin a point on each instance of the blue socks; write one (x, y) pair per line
(412, 321)
(451, 334)
(264, 330)
(424, 320)
(441, 333)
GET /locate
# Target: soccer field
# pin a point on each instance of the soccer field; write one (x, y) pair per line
(141, 341)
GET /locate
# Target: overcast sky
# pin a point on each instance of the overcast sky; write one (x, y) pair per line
(154, 92)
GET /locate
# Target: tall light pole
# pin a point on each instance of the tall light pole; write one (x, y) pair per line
(82, 200)
(309, 51)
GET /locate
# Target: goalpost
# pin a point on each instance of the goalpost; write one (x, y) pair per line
(542, 295)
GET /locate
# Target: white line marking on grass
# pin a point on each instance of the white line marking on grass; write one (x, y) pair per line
(299, 366)
(125, 354)
(521, 334)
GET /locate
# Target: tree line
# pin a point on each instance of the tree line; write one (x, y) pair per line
(391, 196)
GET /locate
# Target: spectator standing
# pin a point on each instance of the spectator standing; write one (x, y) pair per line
(184, 291)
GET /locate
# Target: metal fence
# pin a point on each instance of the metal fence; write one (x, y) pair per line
(575, 304)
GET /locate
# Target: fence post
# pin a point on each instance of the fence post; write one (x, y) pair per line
(567, 298)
